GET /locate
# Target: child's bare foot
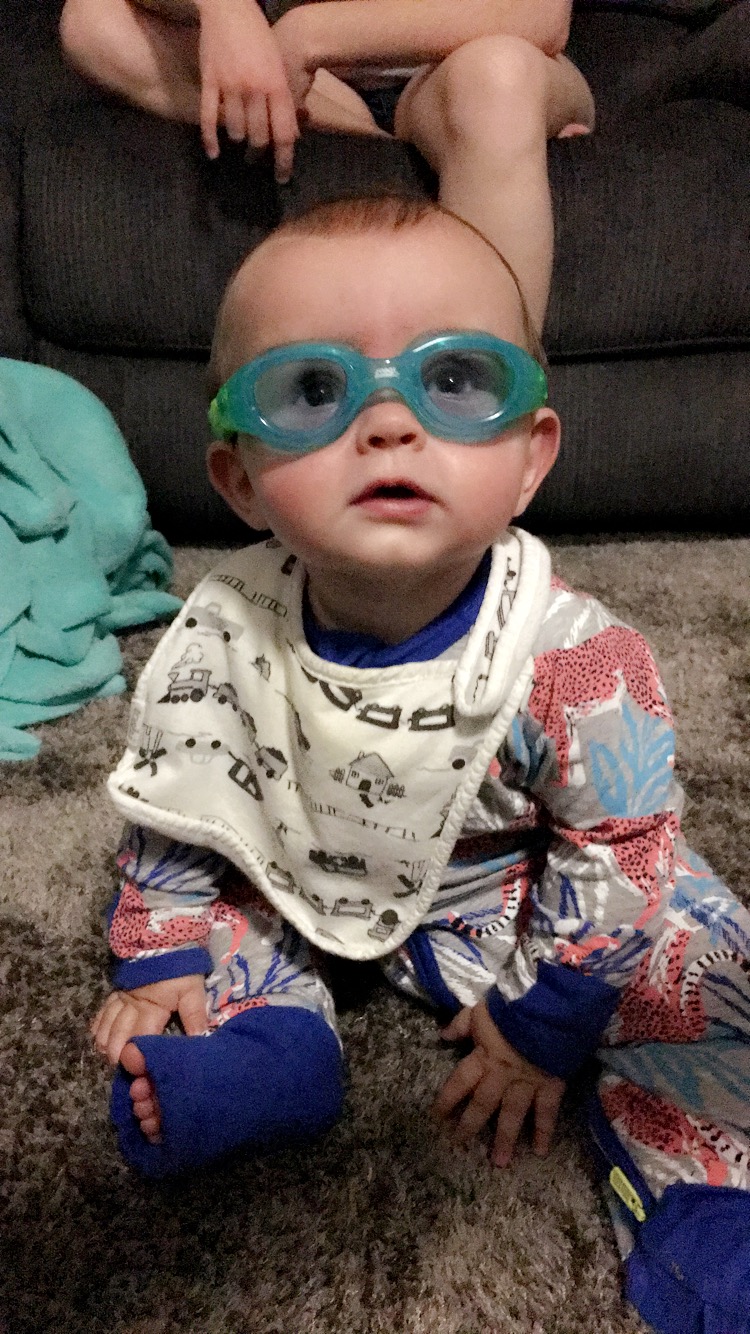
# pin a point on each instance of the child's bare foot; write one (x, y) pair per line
(142, 1093)
(332, 105)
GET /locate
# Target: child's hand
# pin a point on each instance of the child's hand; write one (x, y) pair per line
(494, 1075)
(292, 35)
(243, 82)
(148, 1010)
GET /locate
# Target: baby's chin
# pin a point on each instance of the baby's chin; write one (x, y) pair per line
(397, 566)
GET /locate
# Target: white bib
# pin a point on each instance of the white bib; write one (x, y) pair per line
(340, 791)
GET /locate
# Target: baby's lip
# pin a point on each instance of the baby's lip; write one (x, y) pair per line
(392, 488)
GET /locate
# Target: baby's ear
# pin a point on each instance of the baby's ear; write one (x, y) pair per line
(544, 443)
(228, 475)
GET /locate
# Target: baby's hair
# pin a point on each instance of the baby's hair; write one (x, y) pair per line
(352, 214)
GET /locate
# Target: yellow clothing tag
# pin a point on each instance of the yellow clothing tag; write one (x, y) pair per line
(627, 1193)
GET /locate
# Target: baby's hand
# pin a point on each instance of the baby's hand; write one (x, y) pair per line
(494, 1075)
(243, 82)
(148, 1010)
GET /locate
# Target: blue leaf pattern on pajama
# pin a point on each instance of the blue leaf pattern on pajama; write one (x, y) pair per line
(636, 780)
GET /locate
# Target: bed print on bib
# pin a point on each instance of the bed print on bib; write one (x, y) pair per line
(338, 790)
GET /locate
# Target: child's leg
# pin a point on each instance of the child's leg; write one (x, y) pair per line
(482, 120)
(269, 1068)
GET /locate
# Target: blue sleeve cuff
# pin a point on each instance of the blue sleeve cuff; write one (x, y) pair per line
(559, 1022)
(130, 973)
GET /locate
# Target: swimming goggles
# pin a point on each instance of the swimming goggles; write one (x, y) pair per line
(466, 387)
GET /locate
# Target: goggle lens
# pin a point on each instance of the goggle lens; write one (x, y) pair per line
(471, 385)
(301, 395)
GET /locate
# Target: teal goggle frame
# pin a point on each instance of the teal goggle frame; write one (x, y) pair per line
(464, 387)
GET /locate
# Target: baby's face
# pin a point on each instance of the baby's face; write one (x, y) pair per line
(386, 495)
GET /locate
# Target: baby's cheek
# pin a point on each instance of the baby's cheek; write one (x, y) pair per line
(293, 495)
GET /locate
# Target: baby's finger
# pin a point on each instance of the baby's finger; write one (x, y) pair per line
(103, 1021)
(459, 1027)
(121, 1030)
(209, 114)
(134, 1022)
(459, 1085)
(483, 1104)
(192, 1011)
(546, 1108)
(516, 1103)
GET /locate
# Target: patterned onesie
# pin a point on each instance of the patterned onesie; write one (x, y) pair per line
(569, 901)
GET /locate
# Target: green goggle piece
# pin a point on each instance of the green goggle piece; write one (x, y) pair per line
(465, 387)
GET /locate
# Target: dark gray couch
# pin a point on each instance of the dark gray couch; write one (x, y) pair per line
(116, 238)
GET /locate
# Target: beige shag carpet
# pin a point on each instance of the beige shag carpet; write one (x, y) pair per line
(381, 1228)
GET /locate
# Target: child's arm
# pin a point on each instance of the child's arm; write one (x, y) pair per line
(597, 752)
(346, 35)
(243, 81)
(207, 62)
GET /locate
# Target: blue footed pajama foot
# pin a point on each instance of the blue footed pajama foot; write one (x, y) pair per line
(686, 1254)
(267, 1075)
(689, 1271)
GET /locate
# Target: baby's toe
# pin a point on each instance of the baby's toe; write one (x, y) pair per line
(132, 1059)
(151, 1128)
(144, 1108)
(141, 1088)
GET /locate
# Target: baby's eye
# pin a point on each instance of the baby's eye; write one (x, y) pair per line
(452, 375)
(466, 384)
(317, 386)
(300, 395)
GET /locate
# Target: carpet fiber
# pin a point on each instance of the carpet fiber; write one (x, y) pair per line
(383, 1227)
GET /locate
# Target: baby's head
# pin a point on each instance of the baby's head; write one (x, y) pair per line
(363, 461)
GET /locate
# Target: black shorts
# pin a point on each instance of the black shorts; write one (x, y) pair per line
(382, 104)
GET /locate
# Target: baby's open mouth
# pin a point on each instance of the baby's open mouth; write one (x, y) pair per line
(398, 490)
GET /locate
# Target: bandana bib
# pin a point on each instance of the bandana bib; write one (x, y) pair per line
(339, 791)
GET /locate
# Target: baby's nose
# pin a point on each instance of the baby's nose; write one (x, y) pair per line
(388, 424)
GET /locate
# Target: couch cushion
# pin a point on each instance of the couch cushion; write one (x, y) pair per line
(649, 442)
(652, 220)
(131, 233)
(160, 405)
(14, 335)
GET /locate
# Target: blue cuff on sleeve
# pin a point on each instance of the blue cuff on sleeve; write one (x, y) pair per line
(559, 1021)
(130, 973)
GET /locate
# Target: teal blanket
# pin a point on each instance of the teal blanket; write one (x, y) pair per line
(78, 556)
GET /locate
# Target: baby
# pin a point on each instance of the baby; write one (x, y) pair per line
(389, 732)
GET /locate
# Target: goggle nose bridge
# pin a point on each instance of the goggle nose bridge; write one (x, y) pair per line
(387, 374)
